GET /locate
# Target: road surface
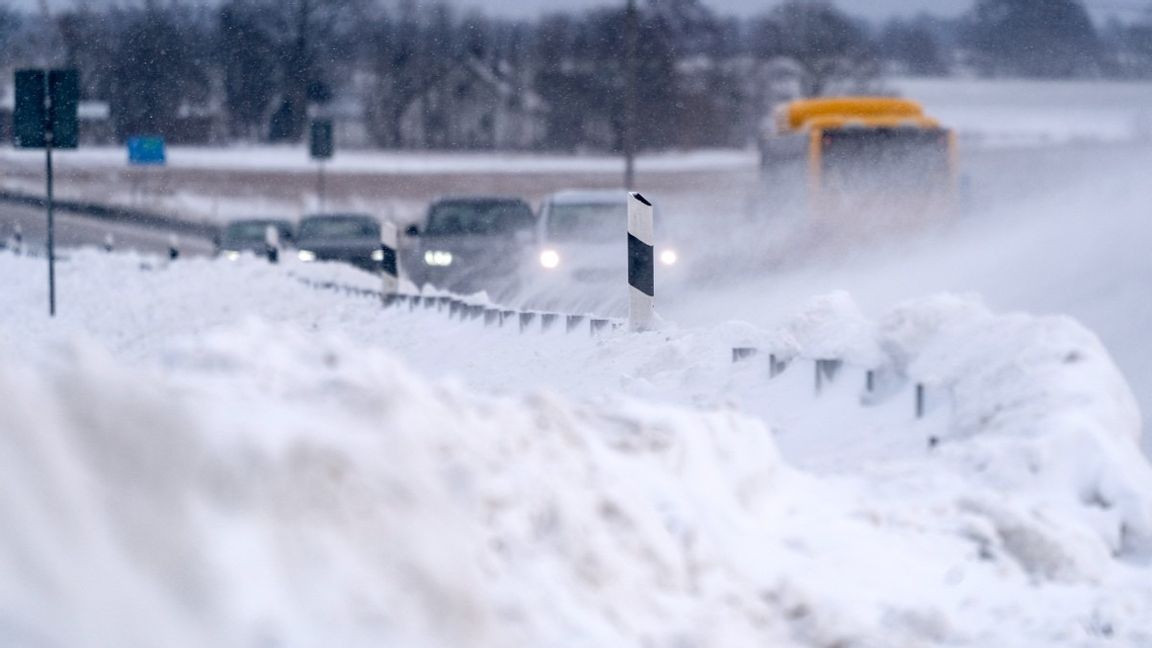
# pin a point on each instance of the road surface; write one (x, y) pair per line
(77, 231)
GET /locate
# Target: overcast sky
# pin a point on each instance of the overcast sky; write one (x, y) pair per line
(875, 9)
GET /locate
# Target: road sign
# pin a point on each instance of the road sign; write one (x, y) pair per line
(146, 151)
(31, 110)
(34, 117)
(45, 117)
(64, 90)
(321, 140)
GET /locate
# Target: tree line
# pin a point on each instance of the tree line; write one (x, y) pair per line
(419, 75)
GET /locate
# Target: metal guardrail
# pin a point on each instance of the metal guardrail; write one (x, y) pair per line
(117, 214)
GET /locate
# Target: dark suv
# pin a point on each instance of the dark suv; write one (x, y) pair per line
(353, 238)
(471, 244)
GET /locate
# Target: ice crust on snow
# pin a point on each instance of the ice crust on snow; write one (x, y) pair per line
(214, 454)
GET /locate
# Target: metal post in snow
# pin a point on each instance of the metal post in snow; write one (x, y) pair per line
(320, 185)
(631, 80)
(389, 267)
(641, 263)
(173, 247)
(48, 137)
(272, 243)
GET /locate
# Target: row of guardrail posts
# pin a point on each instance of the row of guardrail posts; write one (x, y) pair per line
(826, 371)
(497, 317)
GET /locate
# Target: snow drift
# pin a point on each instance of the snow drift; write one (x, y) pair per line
(251, 465)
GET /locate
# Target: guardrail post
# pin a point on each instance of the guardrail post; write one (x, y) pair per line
(826, 371)
(598, 325)
(743, 353)
(389, 265)
(641, 263)
(776, 366)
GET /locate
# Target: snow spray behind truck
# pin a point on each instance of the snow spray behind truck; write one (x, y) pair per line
(867, 161)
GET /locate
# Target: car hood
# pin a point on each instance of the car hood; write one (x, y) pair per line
(331, 245)
(466, 243)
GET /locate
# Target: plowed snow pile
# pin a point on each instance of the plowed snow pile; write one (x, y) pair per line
(212, 454)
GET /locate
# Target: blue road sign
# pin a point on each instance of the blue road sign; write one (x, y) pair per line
(146, 150)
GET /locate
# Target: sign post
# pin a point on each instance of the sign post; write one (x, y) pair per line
(321, 148)
(147, 151)
(45, 117)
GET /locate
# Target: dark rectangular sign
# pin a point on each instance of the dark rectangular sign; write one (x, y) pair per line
(321, 140)
(64, 91)
(33, 116)
(29, 114)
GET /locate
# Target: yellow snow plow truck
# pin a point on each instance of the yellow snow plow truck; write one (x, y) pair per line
(872, 158)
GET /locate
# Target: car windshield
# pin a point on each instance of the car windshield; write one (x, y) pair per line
(249, 232)
(339, 228)
(464, 217)
(587, 221)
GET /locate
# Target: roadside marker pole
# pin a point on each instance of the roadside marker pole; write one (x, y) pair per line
(272, 243)
(173, 247)
(641, 263)
(390, 269)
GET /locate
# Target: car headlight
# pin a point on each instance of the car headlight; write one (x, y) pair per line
(550, 259)
(669, 257)
(231, 255)
(306, 255)
(438, 258)
(377, 255)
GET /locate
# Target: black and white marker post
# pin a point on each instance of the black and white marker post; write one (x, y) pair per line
(641, 263)
(272, 243)
(389, 268)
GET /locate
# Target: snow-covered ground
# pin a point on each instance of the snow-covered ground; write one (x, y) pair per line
(212, 453)
(287, 158)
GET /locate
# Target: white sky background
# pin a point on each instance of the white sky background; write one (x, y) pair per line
(873, 9)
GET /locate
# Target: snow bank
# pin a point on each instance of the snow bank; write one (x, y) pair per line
(250, 464)
(1036, 405)
(269, 489)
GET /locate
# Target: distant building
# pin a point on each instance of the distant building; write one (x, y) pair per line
(474, 106)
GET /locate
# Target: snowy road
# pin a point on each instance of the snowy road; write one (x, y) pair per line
(76, 231)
